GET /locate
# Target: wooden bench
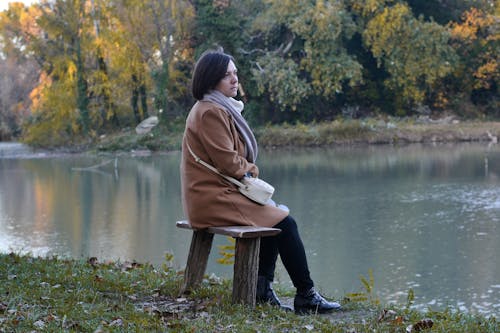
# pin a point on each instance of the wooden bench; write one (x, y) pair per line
(246, 259)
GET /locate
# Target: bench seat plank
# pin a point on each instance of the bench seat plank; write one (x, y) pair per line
(244, 231)
(236, 231)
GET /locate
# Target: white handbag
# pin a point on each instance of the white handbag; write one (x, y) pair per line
(256, 189)
(253, 188)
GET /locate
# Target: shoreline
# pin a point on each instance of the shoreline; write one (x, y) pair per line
(376, 131)
(368, 131)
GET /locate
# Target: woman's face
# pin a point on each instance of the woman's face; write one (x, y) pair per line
(229, 83)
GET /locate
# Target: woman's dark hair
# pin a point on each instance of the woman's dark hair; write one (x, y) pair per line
(210, 68)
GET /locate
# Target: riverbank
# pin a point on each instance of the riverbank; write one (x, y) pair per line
(381, 131)
(395, 131)
(52, 294)
(338, 132)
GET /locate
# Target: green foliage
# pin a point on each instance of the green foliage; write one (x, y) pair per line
(219, 24)
(280, 79)
(227, 252)
(311, 58)
(410, 299)
(415, 53)
(368, 293)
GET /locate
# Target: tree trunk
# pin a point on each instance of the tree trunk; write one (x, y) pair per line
(82, 90)
(134, 100)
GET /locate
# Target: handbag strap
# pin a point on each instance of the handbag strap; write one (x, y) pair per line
(213, 169)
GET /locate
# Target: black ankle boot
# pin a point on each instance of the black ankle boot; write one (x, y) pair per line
(312, 302)
(266, 294)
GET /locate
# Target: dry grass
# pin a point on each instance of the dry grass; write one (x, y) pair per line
(373, 131)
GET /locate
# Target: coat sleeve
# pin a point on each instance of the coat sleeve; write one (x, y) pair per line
(218, 139)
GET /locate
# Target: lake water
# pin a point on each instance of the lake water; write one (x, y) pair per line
(425, 218)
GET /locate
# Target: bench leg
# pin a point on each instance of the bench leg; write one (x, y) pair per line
(201, 243)
(246, 266)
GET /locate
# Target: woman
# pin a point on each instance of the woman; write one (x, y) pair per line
(217, 133)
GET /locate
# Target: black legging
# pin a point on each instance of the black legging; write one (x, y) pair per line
(291, 250)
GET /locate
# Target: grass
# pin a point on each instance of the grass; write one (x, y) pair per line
(376, 131)
(337, 132)
(160, 139)
(67, 295)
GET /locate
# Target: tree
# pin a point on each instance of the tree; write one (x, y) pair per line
(446, 11)
(127, 74)
(304, 52)
(477, 40)
(61, 102)
(17, 80)
(219, 23)
(416, 54)
(156, 34)
(95, 54)
(18, 67)
(100, 87)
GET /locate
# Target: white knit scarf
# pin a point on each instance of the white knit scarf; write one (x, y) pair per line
(234, 107)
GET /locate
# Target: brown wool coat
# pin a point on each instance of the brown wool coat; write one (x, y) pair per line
(207, 198)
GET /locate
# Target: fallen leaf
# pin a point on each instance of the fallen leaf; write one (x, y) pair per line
(39, 324)
(71, 325)
(127, 265)
(386, 315)
(50, 318)
(3, 307)
(116, 323)
(382, 315)
(420, 325)
(398, 320)
(93, 261)
(423, 324)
